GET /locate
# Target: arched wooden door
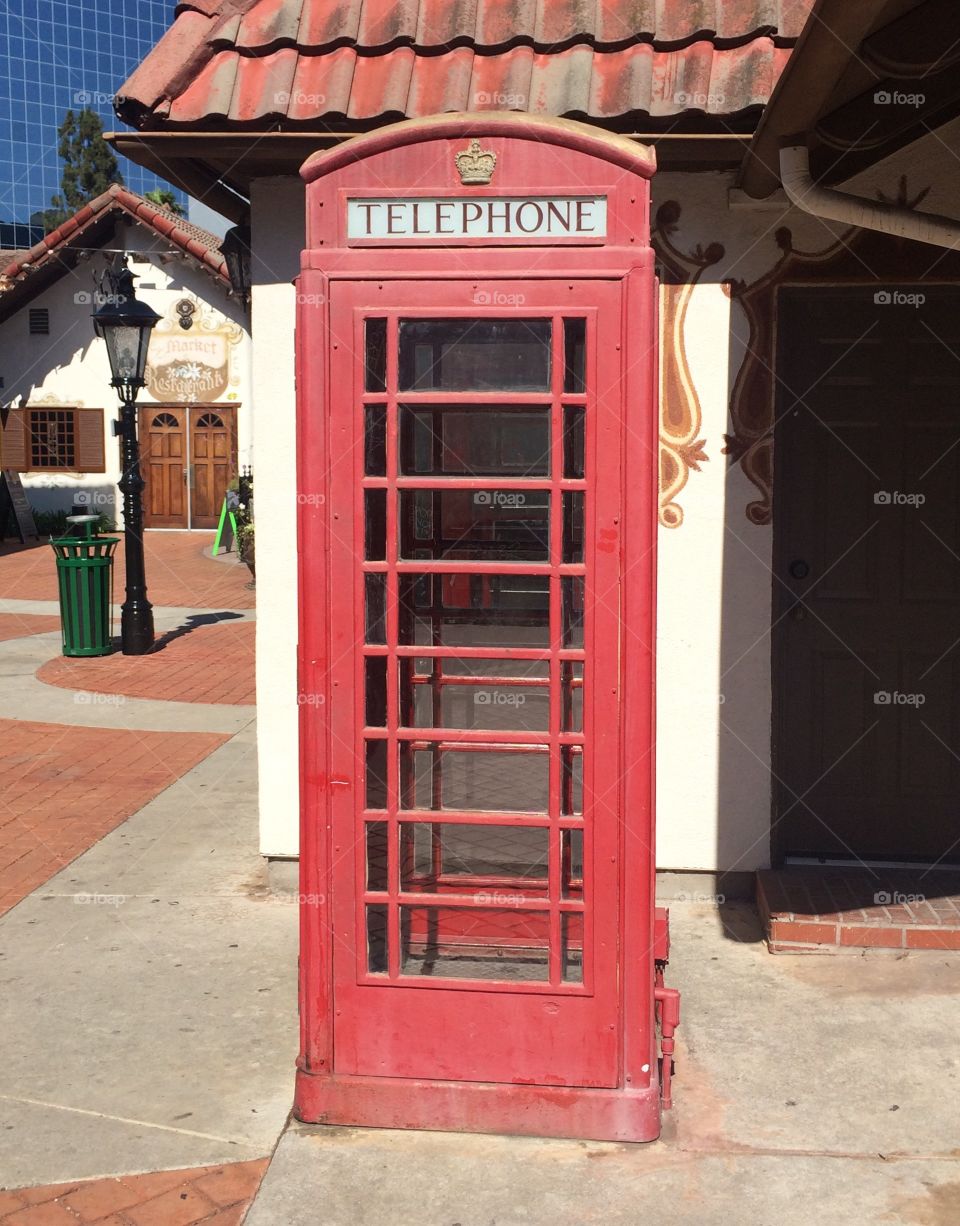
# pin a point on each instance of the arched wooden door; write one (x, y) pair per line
(163, 443)
(213, 462)
(189, 456)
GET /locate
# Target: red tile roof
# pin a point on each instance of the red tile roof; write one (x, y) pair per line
(199, 244)
(250, 63)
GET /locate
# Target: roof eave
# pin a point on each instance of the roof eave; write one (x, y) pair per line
(60, 251)
(218, 167)
(826, 46)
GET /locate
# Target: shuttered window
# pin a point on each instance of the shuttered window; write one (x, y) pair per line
(12, 450)
(53, 439)
(90, 455)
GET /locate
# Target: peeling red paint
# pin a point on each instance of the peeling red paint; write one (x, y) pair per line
(250, 61)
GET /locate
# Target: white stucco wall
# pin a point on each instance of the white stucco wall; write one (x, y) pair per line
(69, 367)
(714, 571)
(713, 754)
(277, 223)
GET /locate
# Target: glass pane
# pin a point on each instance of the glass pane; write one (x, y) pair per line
(573, 443)
(375, 440)
(481, 667)
(571, 783)
(475, 441)
(571, 947)
(464, 355)
(574, 342)
(573, 526)
(571, 863)
(572, 696)
(376, 855)
(572, 593)
(486, 781)
(479, 525)
(375, 525)
(375, 668)
(375, 355)
(377, 940)
(475, 610)
(437, 849)
(475, 943)
(376, 612)
(376, 775)
(433, 697)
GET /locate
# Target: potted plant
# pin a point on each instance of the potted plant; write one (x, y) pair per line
(246, 542)
(242, 486)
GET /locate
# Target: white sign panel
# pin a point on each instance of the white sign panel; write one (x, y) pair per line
(452, 218)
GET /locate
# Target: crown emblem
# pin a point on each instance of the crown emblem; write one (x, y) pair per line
(475, 164)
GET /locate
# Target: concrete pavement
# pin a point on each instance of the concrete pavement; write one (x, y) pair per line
(147, 994)
(27, 697)
(807, 1090)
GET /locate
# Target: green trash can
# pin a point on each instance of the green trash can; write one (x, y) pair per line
(85, 577)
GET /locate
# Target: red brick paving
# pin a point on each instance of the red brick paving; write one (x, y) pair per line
(63, 788)
(218, 1194)
(19, 625)
(211, 663)
(177, 573)
(807, 910)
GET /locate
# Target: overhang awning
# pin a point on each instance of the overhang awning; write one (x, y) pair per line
(867, 82)
(254, 81)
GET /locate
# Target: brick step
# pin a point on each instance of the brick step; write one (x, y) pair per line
(832, 910)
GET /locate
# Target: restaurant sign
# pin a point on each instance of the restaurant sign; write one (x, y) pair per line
(190, 358)
(516, 218)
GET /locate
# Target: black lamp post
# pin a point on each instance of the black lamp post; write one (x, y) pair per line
(125, 324)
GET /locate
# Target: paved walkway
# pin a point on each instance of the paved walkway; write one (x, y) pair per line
(16, 625)
(214, 1194)
(177, 573)
(64, 788)
(147, 977)
(201, 661)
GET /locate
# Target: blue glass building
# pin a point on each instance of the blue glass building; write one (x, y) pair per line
(57, 55)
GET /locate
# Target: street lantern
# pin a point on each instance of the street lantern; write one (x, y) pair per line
(236, 251)
(125, 324)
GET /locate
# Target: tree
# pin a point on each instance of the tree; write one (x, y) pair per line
(89, 165)
(165, 198)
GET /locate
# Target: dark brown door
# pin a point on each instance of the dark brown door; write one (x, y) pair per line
(867, 574)
(163, 440)
(213, 460)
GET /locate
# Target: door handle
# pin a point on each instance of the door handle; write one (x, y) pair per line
(799, 569)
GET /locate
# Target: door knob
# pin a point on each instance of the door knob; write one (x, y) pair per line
(799, 569)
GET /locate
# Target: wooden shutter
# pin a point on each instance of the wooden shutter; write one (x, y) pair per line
(13, 445)
(90, 449)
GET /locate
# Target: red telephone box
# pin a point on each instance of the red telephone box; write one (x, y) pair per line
(477, 487)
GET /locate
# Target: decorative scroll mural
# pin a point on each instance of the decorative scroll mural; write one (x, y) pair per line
(681, 417)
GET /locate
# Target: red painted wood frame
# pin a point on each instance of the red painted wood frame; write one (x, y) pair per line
(479, 996)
